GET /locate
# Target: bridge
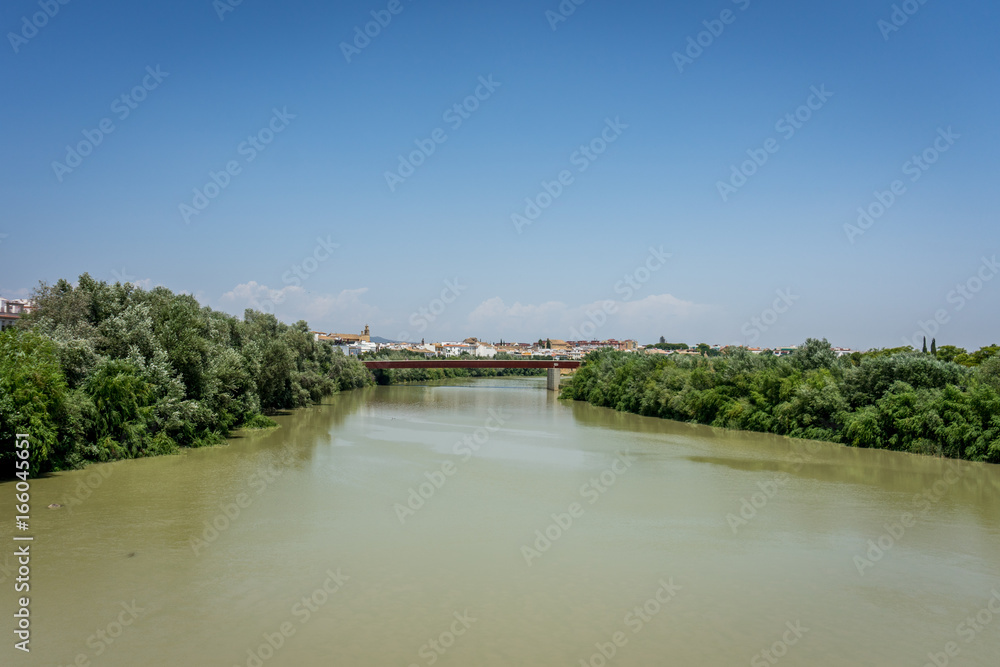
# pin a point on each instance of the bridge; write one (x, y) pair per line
(554, 366)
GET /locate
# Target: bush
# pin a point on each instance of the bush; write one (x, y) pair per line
(100, 372)
(898, 400)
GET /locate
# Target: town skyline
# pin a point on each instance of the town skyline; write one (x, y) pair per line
(12, 307)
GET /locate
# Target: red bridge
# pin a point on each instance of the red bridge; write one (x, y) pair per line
(554, 366)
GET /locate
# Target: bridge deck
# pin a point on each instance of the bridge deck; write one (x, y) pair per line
(472, 363)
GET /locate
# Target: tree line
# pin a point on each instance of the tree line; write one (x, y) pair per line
(101, 372)
(898, 399)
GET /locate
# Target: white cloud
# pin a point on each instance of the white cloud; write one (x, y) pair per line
(341, 312)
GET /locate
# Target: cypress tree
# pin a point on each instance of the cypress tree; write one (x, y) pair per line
(934, 346)
(925, 344)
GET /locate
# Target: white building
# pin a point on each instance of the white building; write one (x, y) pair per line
(485, 351)
(455, 349)
(357, 349)
(11, 311)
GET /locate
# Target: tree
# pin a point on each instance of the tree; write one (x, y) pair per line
(900, 400)
(113, 371)
(950, 352)
(934, 347)
(32, 396)
(814, 354)
(983, 353)
(925, 344)
(121, 396)
(662, 340)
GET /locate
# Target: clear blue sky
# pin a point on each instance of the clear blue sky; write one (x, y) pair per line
(117, 214)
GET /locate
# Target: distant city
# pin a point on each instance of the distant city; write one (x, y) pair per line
(359, 344)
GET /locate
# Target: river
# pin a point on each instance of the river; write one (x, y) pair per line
(485, 522)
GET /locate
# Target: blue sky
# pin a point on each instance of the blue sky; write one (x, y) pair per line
(367, 251)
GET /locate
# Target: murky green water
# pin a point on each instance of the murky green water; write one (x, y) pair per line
(397, 526)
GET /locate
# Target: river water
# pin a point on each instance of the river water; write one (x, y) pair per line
(485, 522)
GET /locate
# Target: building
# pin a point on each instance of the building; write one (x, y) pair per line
(454, 349)
(357, 349)
(344, 339)
(12, 309)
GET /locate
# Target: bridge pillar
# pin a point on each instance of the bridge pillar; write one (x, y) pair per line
(553, 380)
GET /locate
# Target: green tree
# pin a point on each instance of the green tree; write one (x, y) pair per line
(950, 352)
(814, 354)
(125, 372)
(122, 398)
(32, 397)
(891, 399)
(983, 353)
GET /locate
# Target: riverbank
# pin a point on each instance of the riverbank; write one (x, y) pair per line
(903, 401)
(102, 372)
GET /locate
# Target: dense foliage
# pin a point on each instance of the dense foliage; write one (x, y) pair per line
(102, 372)
(902, 400)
